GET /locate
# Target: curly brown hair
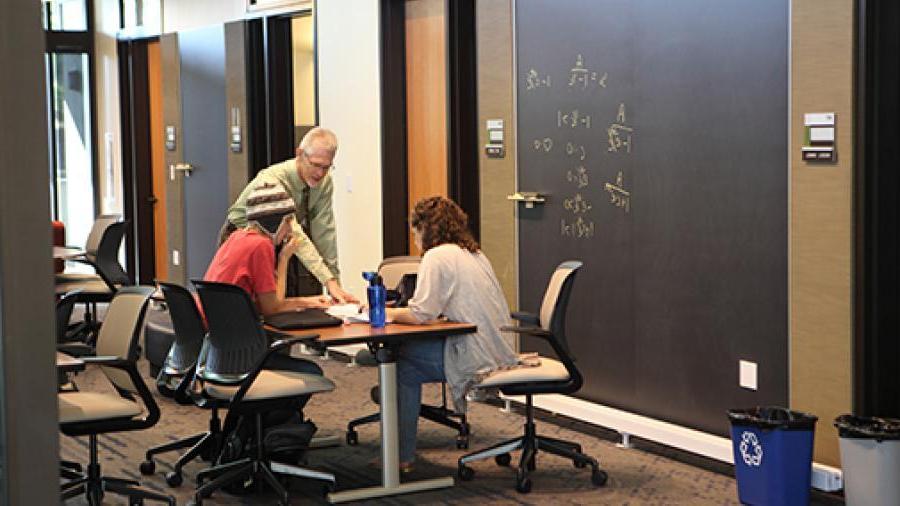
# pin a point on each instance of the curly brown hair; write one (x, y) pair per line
(440, 221)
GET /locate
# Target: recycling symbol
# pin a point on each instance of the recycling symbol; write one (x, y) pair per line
(751, 450)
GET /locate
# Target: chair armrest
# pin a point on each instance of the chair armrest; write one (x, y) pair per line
(76, 349)
(525, 317)
(527, 330)
(130, 367)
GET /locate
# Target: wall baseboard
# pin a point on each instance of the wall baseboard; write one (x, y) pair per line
(825, 478)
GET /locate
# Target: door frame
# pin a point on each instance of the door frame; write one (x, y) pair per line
(462, 120)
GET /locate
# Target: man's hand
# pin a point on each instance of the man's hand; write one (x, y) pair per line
(290, 247)
(340, 296)
(316, 301)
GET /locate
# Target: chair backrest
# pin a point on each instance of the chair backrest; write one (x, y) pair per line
(107, 257)
(556, 300)
(92, 244)
(392, 269)
(188, 326)
(121, 330)
(64, 307)
(236, 338)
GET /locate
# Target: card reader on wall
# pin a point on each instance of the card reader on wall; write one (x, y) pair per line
(818, 138)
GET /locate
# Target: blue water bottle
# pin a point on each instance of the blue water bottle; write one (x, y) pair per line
(377, 296)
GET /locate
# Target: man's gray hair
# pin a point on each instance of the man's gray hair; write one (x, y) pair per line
(321, 138)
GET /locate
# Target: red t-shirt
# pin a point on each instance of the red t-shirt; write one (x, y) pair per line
(245, 259)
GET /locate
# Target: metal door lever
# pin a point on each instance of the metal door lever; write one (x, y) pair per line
(181, 167)
(528, 198)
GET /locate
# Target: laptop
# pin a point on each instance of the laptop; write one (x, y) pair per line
(306, 319)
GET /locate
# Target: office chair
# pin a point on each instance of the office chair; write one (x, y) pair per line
(395, 272)
(551, 377)
(179, 370)
(232, 374)
(92, 413)
(91, 245)
(109, 274)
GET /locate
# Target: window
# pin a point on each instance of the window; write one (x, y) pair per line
(70, 116)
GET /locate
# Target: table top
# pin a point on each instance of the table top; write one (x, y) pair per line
(68, 363)
(363, 332)
(63, 253)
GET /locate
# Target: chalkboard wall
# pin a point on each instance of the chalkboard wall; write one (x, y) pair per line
(658, 130)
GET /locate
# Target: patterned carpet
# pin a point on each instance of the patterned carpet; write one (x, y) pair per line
(636, 476)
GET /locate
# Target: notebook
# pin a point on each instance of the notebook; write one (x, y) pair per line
(306, 319)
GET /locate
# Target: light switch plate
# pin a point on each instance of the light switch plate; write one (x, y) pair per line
(747, 374)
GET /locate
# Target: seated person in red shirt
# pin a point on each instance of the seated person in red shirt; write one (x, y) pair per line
(248, 259)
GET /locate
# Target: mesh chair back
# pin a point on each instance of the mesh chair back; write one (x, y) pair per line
(556, 300)
(92, 244)
(188, 326)
(121, 329)
(392, 269)
(236, 338)
(107, 259)
(64, 308)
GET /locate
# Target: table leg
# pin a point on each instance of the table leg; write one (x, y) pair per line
(390, 446)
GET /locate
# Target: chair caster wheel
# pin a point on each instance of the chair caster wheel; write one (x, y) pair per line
(523, 485)
(174, 479)
(599, 477)
(503, 459)
(462, 442)
(465, 472)
(148, 467)
(352, 437)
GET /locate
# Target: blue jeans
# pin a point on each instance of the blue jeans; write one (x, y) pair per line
(420, 361)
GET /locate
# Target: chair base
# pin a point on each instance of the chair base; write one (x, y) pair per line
(204, 445)
(530, 444)
(437, 414)
(260, 469)
(93, 484)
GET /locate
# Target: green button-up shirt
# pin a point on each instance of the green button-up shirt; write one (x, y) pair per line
(319, 249)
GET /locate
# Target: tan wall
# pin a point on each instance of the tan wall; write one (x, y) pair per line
(498, 175)
(821, 220)
(820, 205)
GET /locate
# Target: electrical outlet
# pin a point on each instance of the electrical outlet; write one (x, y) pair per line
(747, 374)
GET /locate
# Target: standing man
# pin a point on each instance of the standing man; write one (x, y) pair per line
(307, 178)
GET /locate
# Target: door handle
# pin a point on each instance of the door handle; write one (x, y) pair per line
(528, 198)
(186, 168)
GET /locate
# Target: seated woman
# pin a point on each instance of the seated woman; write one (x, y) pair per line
(247, 259)
(455, 280)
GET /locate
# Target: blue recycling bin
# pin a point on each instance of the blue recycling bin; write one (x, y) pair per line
(772, 455)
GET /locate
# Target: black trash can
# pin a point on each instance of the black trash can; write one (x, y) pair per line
(772, 455)
(870, 459)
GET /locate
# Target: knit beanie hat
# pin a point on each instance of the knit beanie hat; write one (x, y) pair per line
(267, 204)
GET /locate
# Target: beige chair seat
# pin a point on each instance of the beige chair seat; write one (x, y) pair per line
(549, 370)
(274, 385)
(90, 406)
(87, 286)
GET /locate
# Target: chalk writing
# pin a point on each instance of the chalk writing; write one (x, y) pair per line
(572, 150)
(577, 204)
(619, 133)
(573, 119)
(579, 228)
(584, 77)
(545, 144)
(579, 176)
(618, 195)
(533, 80)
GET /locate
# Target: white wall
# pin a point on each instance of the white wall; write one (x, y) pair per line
(349, 104)
(109, 135)
(180, 15)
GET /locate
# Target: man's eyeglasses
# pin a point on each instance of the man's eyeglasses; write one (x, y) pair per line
(323, 168)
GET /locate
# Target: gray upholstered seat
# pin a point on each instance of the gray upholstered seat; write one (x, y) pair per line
(275, 385)
(88, 406)
(549, 370)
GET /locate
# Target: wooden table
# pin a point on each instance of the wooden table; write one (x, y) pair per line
(385, 340)
(68, 363)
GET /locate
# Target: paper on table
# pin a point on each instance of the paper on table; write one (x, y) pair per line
(349, 313)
